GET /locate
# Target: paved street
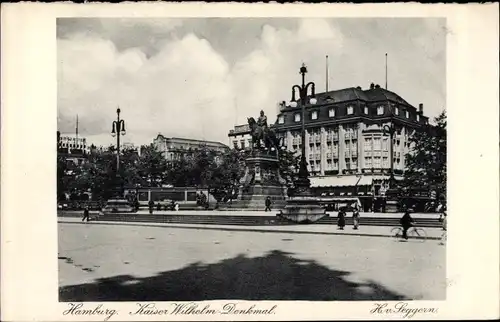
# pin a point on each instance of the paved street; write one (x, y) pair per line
(124, 262)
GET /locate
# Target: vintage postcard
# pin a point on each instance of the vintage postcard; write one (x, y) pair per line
(249, 162)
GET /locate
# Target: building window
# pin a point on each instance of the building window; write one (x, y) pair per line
(385, 162)
(242, 144)
(354, 164)
(407, 114)
(366, 110)
(384, 144)
(314, 115)
(347, 163)
(350, 110)
(331, 112)
(297, 117)
(281, 119)
(380, 110)
(396, 111)
(376, 144)
(368, 162)
(368, 144)
(418, 118)
(376, 163)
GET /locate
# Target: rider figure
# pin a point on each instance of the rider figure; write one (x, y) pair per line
(406, 222)
(262, 121)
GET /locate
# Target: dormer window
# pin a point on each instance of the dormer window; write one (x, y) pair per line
(331, 112)
(314, 115)
(418, 118)
(366, 110)
(281, 119)
(297, 117)
(380, 110)
(396, 111)
(407, 114)
(350, 110)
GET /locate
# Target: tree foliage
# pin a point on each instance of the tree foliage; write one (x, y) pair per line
(426, 162)
(219, 172)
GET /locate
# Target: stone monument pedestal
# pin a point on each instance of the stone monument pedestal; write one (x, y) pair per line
(261, 180)
(303, 207)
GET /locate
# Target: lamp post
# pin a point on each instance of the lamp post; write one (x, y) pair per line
(391, 130)
(303, 181)
(391, 192)
(118, 129)
(303, 206)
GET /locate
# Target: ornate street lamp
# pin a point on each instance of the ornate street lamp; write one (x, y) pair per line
(118, 129)
(391, 130)
(303, 181)
(303, 206)
(391, 192)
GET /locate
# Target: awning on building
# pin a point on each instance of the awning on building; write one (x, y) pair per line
(365, 181)
(339, 181)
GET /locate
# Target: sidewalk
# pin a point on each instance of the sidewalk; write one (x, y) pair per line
(261, 213)
(367, 231)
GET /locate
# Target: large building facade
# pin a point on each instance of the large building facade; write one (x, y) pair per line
(175, 148)
(347, 150)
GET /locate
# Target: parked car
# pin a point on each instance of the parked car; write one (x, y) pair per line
(118, 206)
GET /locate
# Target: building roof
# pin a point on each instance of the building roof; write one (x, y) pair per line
(341, 95)
(381, 94)
(192, 141)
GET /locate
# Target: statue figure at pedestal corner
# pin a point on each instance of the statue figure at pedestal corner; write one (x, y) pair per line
(261, 133)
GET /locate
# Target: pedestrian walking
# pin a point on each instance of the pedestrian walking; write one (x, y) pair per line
(176, 206)
(341, 219)
(86, 214)
(355, 218)
(151, 205)
(443, 219)
(268, 203)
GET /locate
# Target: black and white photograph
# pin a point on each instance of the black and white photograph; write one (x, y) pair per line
(249, 162)
(251, 159)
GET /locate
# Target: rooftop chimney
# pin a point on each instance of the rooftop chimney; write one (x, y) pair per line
(372, 86)
(359, 87)
(377, 86)
(421, 107)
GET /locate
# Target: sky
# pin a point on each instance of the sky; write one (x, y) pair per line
(198, 77)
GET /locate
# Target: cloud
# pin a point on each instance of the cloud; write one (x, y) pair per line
(181, 86)
(180, 91)
(186, 89)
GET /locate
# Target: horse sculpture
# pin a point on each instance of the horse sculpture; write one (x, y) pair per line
(259, 134)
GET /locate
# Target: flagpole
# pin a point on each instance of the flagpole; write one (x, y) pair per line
(386, 71)
(326, 73)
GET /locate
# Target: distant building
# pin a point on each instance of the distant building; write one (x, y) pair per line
(173, 148)
(240, 138)
(72, 148)
(346, 150)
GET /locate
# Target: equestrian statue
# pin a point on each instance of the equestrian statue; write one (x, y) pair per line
(261, 133)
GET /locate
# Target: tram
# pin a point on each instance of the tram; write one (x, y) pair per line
(165, 197)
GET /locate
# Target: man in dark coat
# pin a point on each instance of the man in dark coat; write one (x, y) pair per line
(151, 205)
(86, 214)
(268, 203)
(341, 218)
(406, 222)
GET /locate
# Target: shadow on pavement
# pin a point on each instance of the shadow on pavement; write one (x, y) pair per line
(276, 276)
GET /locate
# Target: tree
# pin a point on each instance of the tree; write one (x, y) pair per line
(151, 167)
(288, 167)
(426, 161)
